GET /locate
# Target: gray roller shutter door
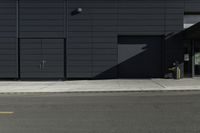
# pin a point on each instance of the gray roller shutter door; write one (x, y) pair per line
(42, 58)
(140, 57)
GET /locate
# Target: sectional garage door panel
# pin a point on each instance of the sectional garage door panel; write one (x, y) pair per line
(140, 56)
(42, 58)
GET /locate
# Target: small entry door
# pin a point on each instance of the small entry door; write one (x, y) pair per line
(42, 58)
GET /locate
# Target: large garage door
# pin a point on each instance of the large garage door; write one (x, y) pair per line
(140, 56)
(42, 58)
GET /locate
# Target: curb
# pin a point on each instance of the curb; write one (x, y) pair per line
(113, 91)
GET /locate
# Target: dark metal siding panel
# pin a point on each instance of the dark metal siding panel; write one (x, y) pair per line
(8, 62)
(7, 18)
(79, 40)
(139, 17)
(174, 52)
(140, 56)
(174, 40)
(104, 38)
(150, 17)
(92, 36)
(174, 16)
(192, 5)
(8, 53)
(41, 18)
(100, 22)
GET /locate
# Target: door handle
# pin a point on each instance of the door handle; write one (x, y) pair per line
(43, 64)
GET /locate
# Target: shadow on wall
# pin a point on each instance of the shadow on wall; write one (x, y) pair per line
(140, 57)
(148, 57)
(174, 52)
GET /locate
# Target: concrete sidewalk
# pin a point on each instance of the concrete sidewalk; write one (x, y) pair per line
(99, 85)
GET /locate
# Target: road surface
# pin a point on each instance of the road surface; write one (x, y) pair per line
(138, 112)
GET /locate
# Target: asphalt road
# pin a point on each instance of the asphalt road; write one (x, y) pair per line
(158, 112)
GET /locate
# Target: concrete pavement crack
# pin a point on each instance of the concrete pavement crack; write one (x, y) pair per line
(158, 83)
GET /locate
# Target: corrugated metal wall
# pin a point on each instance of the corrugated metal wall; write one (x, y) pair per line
(174, 16)
(92, 39)
(92, 35)
(41, 18)
(192, 5)
(79, 40)
(8, 30)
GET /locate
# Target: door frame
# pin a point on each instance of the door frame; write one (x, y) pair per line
(64, 54)
(192, 45)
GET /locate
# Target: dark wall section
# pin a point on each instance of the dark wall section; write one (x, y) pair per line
(92, 39)
(41, 18)
(104, 33)
(192, 6)
(141, 17)
(174, 16)
(79, 40)
(91, 28)
(174, 52)
(8, 18)
(92, 34)
(8, 49)
(140, 56)
(174, 39)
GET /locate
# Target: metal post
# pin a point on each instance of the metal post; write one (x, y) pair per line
(17, 40)
(193, 57)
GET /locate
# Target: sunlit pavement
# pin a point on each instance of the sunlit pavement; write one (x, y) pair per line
(99, 85)
(121, 112)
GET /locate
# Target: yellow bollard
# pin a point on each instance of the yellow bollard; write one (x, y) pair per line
(178, 73)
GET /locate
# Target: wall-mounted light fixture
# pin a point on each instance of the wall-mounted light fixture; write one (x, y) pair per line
(79, 10)
(76, 11)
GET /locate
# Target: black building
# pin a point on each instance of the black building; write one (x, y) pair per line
(64, 39)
